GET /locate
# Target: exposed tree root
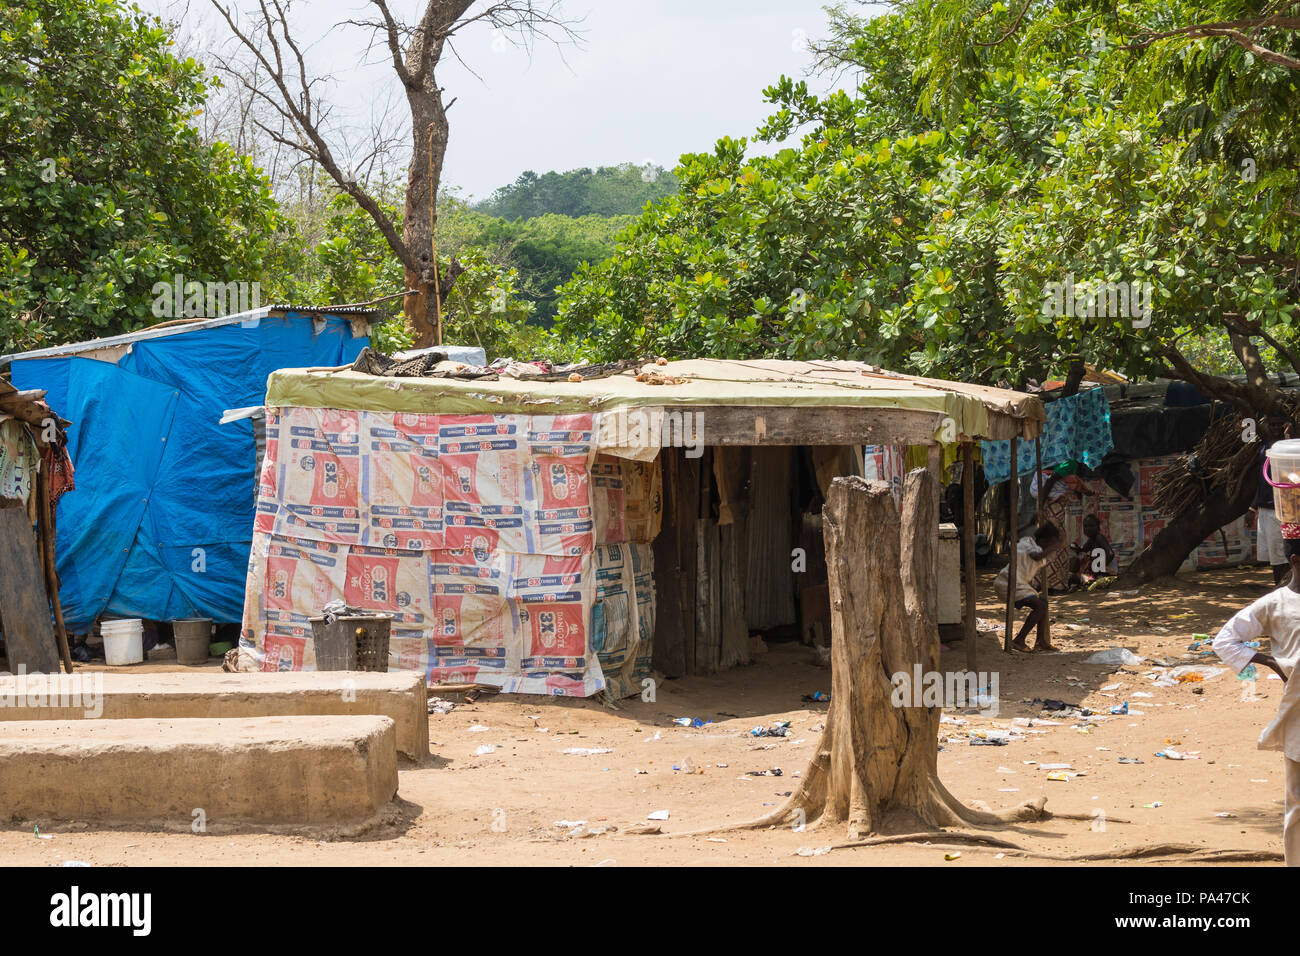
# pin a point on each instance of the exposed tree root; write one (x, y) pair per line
(957, 840)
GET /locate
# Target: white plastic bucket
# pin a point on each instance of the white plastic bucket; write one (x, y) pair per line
(123, 641)
(1284, 465)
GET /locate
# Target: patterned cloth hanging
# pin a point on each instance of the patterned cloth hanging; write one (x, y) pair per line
(19, 460)
(1077, 429)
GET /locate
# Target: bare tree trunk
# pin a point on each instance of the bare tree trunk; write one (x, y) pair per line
(876, 769)
(1166, 553)
(278, 79)
(429, 147)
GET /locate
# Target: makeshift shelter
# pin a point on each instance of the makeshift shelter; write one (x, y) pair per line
(562, 536)
(1151, 427)
(161, 525)
(1154, 426)
(34, 473)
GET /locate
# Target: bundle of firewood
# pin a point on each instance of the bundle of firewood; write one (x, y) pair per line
(1221, 462)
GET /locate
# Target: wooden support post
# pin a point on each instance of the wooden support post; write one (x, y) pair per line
(969, 634)
(1044, 637)
(46, 537)
(1013, 532)
(934, 465)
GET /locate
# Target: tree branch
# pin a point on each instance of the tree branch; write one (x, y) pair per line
(298, 113)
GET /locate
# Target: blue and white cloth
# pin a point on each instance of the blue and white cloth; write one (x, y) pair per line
(1077, 429)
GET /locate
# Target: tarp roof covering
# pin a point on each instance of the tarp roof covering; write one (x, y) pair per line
(161, 521)
(977, 411)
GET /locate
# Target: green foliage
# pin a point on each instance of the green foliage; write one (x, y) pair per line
(105, 188)
(353, 263)
(546, 251)
(1228, 101)
(924, 225)
(606, 191)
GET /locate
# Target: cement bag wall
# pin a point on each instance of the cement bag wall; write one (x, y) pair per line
(485, 536)
(1132, 524)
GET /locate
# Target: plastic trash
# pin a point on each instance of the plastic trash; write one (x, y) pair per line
(658, 815)
(1248, 673)
(1192, 673)
(691, 722)
(812, 851)
(1121, 709)
(1114, 657)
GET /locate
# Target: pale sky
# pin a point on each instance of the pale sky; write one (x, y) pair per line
(649, 80)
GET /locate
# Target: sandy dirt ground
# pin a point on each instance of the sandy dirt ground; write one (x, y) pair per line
(520, 803)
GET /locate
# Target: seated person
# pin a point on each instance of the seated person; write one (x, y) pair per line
(1094, 558)
(1031, 554)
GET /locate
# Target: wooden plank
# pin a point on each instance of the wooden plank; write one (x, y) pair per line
(735, 635)
(24, 603)
(708, 598)
(809, 425)
(934, 467)
(674, 555)
(969, 633)
(1013, 532)
(769, 580)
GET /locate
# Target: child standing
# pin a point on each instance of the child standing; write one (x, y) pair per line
(1031, 554)
(1277, 615)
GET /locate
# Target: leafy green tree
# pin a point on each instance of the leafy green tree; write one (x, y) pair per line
(934, 227)
(606, 191)
(547, 250)
(105, 189)
(354, 263)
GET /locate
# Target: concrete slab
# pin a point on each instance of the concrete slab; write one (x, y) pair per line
(400, 695)
(241, 770)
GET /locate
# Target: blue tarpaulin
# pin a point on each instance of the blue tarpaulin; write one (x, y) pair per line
(160, 523)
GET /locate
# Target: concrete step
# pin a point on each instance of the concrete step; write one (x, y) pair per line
(124, 695)
(237, 770)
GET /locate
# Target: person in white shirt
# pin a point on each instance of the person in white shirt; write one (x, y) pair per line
(1031, 554)
(1277, 616)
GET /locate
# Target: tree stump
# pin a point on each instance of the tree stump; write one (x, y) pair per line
(876, 769)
